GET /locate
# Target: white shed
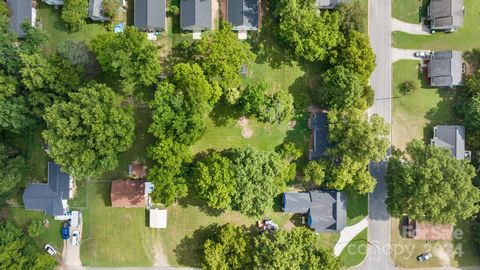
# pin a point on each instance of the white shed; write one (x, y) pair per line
(158, 218)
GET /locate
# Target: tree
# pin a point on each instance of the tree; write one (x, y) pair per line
(473, 58)
(110, 8)
(310, 36)
(14, 174)
(8, 48)
(297, 249)
(431, 185)
(8, 86)
(315, 172)
(76, 52)
(36, 228)
(253, 97)
(74, 14)
(227, 249)
(472, 113)
(87, 132)
(222, 55)
(33, 40)
(408, 87)
(213, 181)
(290, 152)
(369, 95)
(130, 54)
(15, 115)
(355, 53)
(342, 88)
(352, 17)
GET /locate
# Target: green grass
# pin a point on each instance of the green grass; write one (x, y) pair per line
(52, 235)
(468, 253)
(467, 38)
(409, 11)
(53, 25)
(357, 208)
(356, 250)
(414, 115)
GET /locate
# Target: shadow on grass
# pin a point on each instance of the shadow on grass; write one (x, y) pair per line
(190, 249)
(191, 200)
(223, 113)
(300, 136)
(441, 114)
(105, 193)
(470, 250)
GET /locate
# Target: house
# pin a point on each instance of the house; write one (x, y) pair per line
(95, 11)
(52, 197)
(326, 209)
(196, 16)
(445, 69)
(137, 170)
(128, 194)
(150, 15)
(451, 138)
(158, 218)
(446, 14)
(426, 231)
(21, 11)
(54, 2)
(243, 15)
(319, 143)
(328, 4)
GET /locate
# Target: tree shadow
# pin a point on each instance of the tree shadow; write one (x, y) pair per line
(223, 113)
(105, 193)
(190, 249)
(130, 12)
(300, 136)
(442, 114)
(193, 201)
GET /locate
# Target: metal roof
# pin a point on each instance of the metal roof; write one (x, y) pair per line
(150, 15)
(451, 138)
(20, 10)
(243, 14)
(196, 15)
(446, 14)
(327, 210)
(446, 68)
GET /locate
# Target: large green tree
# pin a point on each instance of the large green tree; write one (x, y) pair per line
(130, 54)
(428, 184)
(309, 35)
(74, 14)
(14, 174)
(8, 47)
(87, 132)
(342, 88)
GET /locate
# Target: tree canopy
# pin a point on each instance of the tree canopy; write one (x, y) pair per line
(428, 184)
(342, 88)
(74, 14)
(130, 54)
(87, 132)
(14, 173)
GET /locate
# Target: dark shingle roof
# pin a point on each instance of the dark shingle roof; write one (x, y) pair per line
(326, 209)
(446, 68)
(243, 14)
(20, 10)
(319, 123)
(196, 15)
(48, 197)
(150, 15)
(446, 14)
(451, 138)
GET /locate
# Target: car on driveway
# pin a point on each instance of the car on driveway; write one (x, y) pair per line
(75, 238)
(421, 54)
(66, 230)
(424, 257)
(50, 250)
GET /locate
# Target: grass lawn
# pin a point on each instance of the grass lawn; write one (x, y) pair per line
(357, 208)
(53, 25)
(468, 253)
(414, 115)
(355, 252)
(409, 11)
(52, 235)
(466, 38)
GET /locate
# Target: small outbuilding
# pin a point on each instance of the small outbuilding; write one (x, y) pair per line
(158, 218)
(319, 143)
(137, 170)
(427, 231)
(128, 194)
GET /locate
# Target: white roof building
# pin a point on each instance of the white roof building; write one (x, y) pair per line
(158, 218)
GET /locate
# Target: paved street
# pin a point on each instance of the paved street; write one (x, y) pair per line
(378, 256)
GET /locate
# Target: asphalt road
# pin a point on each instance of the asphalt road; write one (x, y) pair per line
(378, 255)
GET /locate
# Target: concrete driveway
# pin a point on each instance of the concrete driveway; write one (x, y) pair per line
(402, 54)
(414, 29)
(71, 253)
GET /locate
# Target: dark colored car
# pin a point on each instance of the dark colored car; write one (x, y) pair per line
(424, 257)
(66, 230)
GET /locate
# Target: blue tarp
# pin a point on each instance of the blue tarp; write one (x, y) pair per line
(119, 28)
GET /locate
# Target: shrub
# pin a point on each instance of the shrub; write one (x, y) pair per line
(408, 87)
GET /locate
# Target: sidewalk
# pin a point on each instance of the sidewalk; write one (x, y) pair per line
(347, 234)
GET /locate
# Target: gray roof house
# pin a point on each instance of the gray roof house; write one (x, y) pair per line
(51, 198)
(95, 11)
(328, 4)
(446, 14)
(243, 15)
(451, 138)
(150, 15)
(20, 11)
(445, 69)
(196, 15)
(327, 210)
(319, 136)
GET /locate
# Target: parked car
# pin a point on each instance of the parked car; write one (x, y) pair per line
(66, 230)
(75, 238)
(50, 250)
(420, 54)
(424, 257)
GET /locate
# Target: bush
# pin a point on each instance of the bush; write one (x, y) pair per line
(110, 7)
(36, 229)
(369, 95)
(315, 172)
(173, 10)
(74, 14)
(408, 87)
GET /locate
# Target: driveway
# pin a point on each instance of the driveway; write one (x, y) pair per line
(414, 29)
(71, 253)
(402, 54)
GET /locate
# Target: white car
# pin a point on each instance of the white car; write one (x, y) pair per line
(50, 250)
(420, 54)
(75, 238)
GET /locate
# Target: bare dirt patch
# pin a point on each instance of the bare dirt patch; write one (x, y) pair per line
(443, 255)
(247, 132)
